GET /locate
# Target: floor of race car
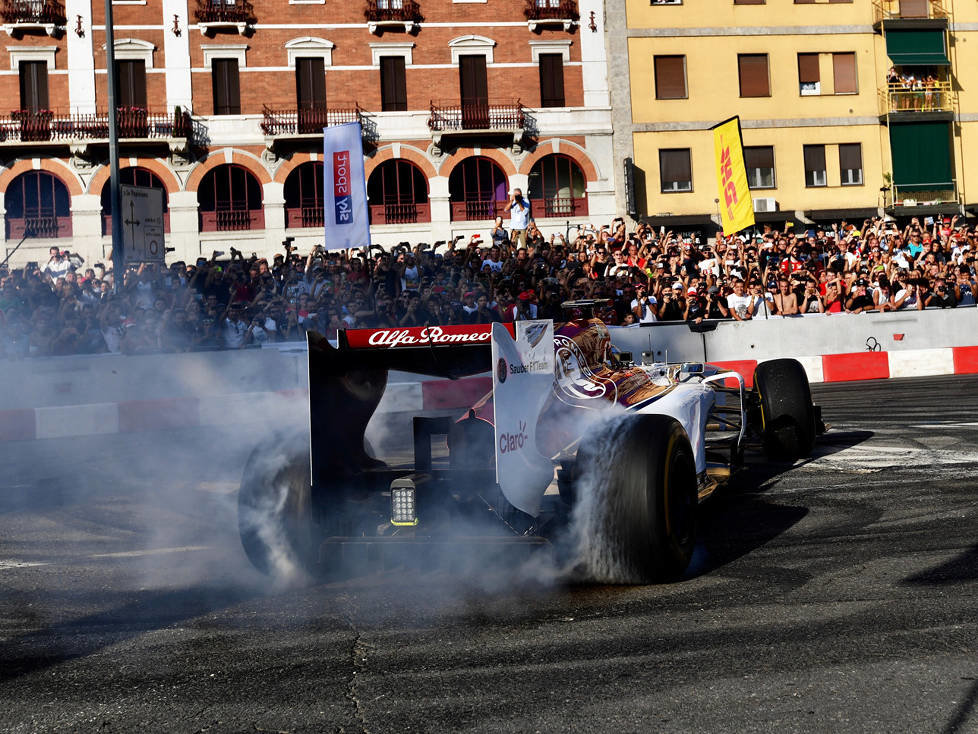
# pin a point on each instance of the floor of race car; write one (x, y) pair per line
(836, 595)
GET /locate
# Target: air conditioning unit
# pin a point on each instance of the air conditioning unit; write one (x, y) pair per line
(765, 204)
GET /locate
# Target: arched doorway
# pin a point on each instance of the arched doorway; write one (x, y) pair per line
(38, 205)
(134, 177)
(557, 187)
(397, 192)
(477, 189)
(229, 198)
(304, 196)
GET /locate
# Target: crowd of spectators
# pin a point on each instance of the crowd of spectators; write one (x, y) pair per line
(66, 306)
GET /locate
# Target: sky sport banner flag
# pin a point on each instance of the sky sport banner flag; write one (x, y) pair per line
(736, 205)
(344, 188)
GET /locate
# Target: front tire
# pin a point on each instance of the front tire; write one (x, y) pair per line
(275, 518)
(635, 511)
(787, 413)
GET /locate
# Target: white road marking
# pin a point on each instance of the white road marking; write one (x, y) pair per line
(863, 457)
(10, 563)
(151, 552)
(942, 424)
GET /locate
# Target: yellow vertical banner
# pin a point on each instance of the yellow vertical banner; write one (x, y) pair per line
(736, 205)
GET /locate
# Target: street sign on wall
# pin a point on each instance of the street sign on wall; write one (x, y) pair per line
(142, 224)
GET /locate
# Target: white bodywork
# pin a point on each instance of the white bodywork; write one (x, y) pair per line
(523, 379)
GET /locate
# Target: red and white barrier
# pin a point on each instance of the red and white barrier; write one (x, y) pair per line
(407, 397)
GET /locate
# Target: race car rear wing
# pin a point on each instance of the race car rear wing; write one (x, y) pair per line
(347, 382)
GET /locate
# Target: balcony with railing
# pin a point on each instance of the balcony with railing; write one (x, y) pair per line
(477, 119)
(476, 209)
(384, 15)
(559, 206)
(551, 13)
(19, 16)
(923, 100)
(232, 219)
(299, 126)
(136, 125)
(43, 224)
(400, 213)
(218, 15)
(887, 10)
(300, 217)
(925, 196)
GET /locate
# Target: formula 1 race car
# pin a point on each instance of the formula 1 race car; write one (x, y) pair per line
(576, 447)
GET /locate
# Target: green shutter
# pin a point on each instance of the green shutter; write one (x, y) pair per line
(921, 155)
(917, 47)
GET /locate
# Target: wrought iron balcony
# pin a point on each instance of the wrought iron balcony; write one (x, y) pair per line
(400, 213)
(477, 118)
(925, 195)
(551, 12)
(384, 14)
(47, 126)
(909, 10)
(212, 15)
(20, 15)
(296, 122)
(896, 99)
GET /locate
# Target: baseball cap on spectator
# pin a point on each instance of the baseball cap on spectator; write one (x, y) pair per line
(526, 295)
(438, 289)
(690, 291)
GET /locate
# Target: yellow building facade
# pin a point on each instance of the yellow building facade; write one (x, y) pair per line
(846, 107)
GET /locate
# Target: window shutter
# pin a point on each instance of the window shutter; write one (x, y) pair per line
(393, 85)
(814, 165)
(749, 2)
(670, 77)
(227, 93)
(674, 168)
(808, 68)
(844, 68)
(33, 85)
(850, 157)
(473, 79)
(310, 84)
(753, 75)
(131, 78)
(551, 80)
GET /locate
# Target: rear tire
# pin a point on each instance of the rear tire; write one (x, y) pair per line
(635, 514)
(275, 518)
(787, 413)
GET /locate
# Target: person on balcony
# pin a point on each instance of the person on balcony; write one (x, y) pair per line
(519, 217)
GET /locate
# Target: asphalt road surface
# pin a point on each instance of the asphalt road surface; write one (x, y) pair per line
(835, 595)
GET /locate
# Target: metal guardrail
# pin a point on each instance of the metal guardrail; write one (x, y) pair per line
(306, 121)
(933, 97)
(908, 10)
(446, 116)
(26, 126)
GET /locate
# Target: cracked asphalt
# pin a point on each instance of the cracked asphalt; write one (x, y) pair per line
(835, 595)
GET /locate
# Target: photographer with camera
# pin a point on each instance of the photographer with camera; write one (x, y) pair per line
(519, 217)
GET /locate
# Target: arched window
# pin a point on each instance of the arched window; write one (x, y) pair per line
(38, 205)
(397, 192)
(557, 187)
(134, 177)
(477, 189)
(304, 196)
(230, 199)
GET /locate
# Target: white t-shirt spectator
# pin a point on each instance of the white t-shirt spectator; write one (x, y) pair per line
(519, 216)
(740, 304)
(234, 333)
(648, 313)
(493, 265)
(57, 269)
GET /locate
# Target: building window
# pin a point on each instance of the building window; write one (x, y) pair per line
(749, 2)
(665, 2)
(851, 164)
(310, 83)
(670, 77)
(551, 80)
(844, 73)
(131, 81)
(38, 205)
(227, 92)
(477, 189)
(397, 192)
(229, 199)
(809, 83)
(759, 161)
(557, 187)
(753, 73)
(393, 84)
(675, 172)
(814, 165)
(304, 196)
(33, 85)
